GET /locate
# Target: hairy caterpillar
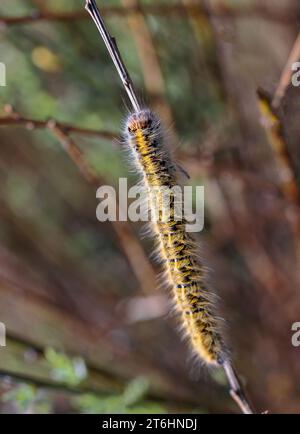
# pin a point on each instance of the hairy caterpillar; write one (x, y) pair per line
(177, 250)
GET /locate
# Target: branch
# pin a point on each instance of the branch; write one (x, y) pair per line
(275, 134)
(14, 118)
(46, 384)
(237, 391)
(152, 71)
(130, 244)
(219, 9)
(172, 406)
(74, 153)
(38, 371)
(287, 172)
(98, 382)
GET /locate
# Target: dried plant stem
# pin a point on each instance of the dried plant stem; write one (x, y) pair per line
(237, 391)
(152, 72)
(285, 165)
(275, 133)
(127, 239)
(14, 118)
(194, 163)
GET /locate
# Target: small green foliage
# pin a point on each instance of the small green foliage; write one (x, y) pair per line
(27, 399)
(219, 376)
(135, 391)
(23, 396)
(130, 401)
(71, 371)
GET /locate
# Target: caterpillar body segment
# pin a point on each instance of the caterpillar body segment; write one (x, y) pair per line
(176, 248)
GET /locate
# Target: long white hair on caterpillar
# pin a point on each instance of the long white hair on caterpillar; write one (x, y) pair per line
(176, 248)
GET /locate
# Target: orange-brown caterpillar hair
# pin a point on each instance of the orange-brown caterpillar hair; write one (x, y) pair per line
(175, 246)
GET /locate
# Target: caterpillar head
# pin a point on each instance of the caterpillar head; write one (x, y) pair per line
(143, 120)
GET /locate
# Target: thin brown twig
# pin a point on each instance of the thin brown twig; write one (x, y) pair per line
(31, 124)
(276, 137)
(194, 162)
(130, 245)
(74, 153)
(220, 9)
(151, 68)
(128, 241)
(288, 182)
(203, 28)
(237, 390)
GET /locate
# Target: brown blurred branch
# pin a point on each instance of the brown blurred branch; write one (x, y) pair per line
(37, 372)
(286, 169)
(33, 124)
(33, 322)
(194, 162)
(203, 28)
(220, 9)
(128, 240)
(74, 153)
(51, 386)
(275, 133)
(152, 72)
(46, 384)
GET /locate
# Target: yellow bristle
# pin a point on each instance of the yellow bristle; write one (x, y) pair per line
(177, 250)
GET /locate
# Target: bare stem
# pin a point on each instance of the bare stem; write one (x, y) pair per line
(14, 118)
(236, 388)
(112, 48)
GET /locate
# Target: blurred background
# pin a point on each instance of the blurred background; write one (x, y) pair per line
(88, 329)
